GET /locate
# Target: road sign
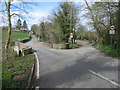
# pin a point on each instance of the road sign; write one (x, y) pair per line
(112, 27)
(112, 32)
(71, 35)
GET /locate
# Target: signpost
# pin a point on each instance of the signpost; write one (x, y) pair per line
(111, 32)
(71, 37)
(112, 27)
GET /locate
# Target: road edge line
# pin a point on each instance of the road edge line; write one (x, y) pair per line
(104, 78)
(38, 66)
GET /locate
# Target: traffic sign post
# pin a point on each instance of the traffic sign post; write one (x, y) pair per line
(112, 27)
(111, 42)
(111, 32)
(71, 37)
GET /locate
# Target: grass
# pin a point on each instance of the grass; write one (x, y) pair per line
(106, 49)
(17, 36)
(20, 65)
(15, 65)
(72, 46)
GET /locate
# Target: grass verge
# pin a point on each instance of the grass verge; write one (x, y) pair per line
(15, 70)
(18, 66)
(106, 49)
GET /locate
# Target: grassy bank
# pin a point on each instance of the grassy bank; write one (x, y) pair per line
(106, 49)
(20, 68)
(16, 36)
(19, 36)
(111, 51)
(15, 70)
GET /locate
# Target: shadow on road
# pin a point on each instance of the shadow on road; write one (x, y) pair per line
(77, 72)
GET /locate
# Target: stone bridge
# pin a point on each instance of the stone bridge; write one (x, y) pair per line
(22, 49)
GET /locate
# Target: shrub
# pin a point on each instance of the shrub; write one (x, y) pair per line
(72, 46)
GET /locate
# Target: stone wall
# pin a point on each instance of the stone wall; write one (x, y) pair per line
(59, 46)
(44, 44)
(21, 48)
(49, 45)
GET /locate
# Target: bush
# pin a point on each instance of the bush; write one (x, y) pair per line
(72, 46)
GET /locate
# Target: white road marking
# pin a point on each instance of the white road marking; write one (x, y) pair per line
(38, 66)
(105, 78)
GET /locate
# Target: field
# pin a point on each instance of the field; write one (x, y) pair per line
(15, 36)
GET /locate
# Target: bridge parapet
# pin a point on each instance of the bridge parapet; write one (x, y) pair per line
(22, 49)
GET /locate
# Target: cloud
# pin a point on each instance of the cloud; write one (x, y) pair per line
(36, 16)
(24, 14)
(14, 1)
(16, 12)
(3, 19)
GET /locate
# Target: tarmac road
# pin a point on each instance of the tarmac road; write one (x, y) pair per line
(85, 67)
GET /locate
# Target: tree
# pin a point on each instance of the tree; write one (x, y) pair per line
(25, 25)
(52, 32)
(35, 29)
(42, 32)
(66, 17)
(80, 32)
(8, 7)
(19, 25)
(102, 16)
(118, 25)
(8, 4)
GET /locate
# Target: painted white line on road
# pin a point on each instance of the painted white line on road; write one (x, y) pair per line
(38, 67)
(105, 78)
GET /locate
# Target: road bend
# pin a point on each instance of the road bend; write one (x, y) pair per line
(85, 67)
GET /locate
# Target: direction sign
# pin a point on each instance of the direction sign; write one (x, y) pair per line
(112, 27)
(112, 32)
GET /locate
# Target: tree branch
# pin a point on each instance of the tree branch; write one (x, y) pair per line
(20, 8)
(5, 3)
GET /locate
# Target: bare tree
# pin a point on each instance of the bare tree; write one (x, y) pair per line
(102, 16)
(9, 6)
